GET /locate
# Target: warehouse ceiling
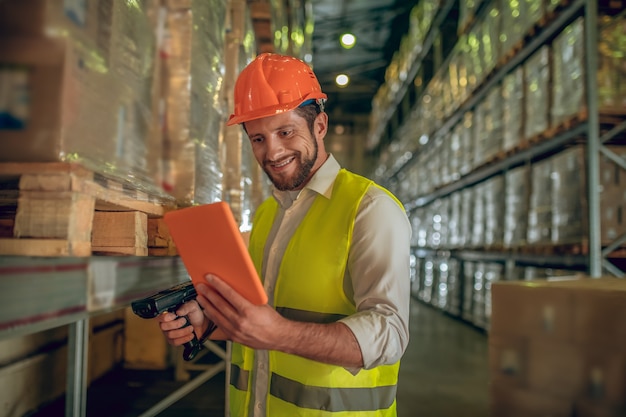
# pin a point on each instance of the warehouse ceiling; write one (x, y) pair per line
(378, 26)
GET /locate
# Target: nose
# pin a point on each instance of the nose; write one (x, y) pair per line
(275, 148)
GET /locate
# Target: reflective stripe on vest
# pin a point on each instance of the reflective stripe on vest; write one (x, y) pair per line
(332, 399)
(309, 316)
(239, 378)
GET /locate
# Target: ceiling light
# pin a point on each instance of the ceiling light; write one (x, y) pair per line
(347, 40)
(342, 80)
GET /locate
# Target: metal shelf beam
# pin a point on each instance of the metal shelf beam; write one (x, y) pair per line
(568, 261)
(37, 294)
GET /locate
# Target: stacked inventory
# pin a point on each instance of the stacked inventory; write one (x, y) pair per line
(491, 162)
(84, 86)
(194, 111)
(508, 166)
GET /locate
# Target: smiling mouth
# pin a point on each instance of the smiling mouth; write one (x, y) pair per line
(283, 163)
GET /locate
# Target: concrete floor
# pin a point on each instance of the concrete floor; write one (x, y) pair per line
(443, 374)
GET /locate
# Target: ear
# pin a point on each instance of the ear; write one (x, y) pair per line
(320, 126)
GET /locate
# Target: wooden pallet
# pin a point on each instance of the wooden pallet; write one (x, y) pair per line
(613, 115)
(518, 147)
(567, 123)
(550, 249)
(510, 54)
(537, 138)
(579, 247)
(464, 28)
(64, 209)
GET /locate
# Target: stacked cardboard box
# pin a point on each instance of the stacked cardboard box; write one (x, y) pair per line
(540, 204)
(477, 231)
(513, 109)
(557, 210)
(557, 348)
(568, 73)
(537, 93)
(82, 85)
(613, 196)
(488, 127)
(516, 192)
(193, 105)
(494, 211)
(611, 64)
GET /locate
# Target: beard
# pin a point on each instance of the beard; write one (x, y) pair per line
(303, 169)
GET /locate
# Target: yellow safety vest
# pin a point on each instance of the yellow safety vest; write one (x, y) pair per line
(309, 288)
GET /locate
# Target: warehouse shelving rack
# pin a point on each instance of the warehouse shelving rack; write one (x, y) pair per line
(38, 294)
(589, 130)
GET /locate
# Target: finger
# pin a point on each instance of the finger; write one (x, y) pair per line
(211, 302)
(214, 303)
(166, 317)
(174, 324)
(177, 341)
(226, 291)
(178, 335)
(187, 308)
(214, 307)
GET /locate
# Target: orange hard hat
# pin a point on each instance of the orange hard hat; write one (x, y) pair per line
(273, 84)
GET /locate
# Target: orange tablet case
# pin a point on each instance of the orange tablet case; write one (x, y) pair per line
(209, 242)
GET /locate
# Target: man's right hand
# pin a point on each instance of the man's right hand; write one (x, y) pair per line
(173, 325)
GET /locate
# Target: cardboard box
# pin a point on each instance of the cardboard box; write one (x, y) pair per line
(598, 310)
(63, 94)
(508, 361)
(531, 309)
(42, 18)
(588, 408)
(559, 370)
(605, 376)
(70, 98)
(600, 316)
(555, 368)
(521, 402)
(193, 106)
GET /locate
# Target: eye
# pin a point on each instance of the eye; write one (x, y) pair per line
(256, 139)
(285, 133)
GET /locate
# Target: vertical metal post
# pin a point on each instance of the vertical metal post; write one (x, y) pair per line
(229, 347)
(77, 360)
(593, 137)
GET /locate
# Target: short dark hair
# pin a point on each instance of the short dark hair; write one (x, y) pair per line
(309, 113)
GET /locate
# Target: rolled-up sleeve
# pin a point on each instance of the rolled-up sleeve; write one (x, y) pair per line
(378, 279)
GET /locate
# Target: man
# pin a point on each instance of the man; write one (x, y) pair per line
(332, 249)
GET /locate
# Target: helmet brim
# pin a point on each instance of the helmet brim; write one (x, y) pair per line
(272, 110)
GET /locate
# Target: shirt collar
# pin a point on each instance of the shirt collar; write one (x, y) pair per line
(321, 183)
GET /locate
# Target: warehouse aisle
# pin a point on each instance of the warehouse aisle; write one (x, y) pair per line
(443, 374)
